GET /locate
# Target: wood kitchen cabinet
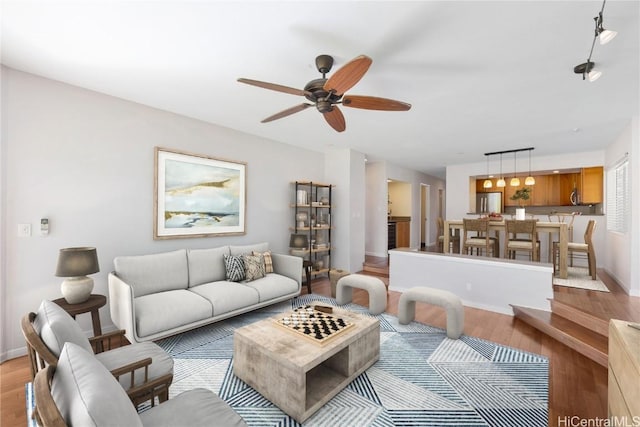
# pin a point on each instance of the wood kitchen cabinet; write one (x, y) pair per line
(592, 180)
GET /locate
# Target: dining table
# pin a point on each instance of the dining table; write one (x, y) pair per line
(552, 228)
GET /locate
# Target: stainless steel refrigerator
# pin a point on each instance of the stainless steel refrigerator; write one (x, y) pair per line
(489, 202)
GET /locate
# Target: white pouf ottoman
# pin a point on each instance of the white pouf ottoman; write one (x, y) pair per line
(374, 286)
(448, 300)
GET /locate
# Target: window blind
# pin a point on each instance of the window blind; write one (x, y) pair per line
(618, 197)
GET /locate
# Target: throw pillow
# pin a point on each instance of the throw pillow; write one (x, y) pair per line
(268, 261)
(234, 267)
(253, 267)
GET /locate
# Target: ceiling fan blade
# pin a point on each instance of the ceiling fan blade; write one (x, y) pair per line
(287, 112)
(273, 86)
(335, 119)
(374, 103)
(348, 75)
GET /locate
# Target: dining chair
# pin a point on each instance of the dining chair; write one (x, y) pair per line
(454, 239)
(569, 218)
(480, 241)
(521, 235)
(587, 249)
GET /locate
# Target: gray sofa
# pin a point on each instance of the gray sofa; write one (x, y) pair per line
(158, 295)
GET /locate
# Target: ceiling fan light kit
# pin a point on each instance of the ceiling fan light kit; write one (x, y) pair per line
(325, 94)
(587, 68)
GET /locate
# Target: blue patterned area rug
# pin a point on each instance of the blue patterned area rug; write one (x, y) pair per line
(422, 378)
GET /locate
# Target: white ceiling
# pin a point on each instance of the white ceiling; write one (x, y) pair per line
(481, 76)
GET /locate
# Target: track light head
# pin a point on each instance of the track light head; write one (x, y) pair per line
(588, 71)
(605, 35)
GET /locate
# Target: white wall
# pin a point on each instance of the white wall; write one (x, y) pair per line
(85, 161)
(347, 167)
(376, 205)
(377, 174)
(622, 255)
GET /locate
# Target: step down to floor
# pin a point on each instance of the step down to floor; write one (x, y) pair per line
(378, 268)
(577, 315)
(585, 341)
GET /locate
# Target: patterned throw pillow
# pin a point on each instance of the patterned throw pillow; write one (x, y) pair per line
(268, 262)
(253, 267)
(235, 267)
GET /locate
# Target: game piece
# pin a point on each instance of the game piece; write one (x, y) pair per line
(316, 325)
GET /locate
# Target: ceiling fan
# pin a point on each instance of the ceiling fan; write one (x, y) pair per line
(325, 94)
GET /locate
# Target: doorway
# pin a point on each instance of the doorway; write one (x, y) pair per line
(425, 218)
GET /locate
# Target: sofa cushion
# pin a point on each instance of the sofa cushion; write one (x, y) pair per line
(253, 267)
(161, 362)
(268, 261)
(56, 327)
(227, 296)
(273, 286)
(148, 274)
(206, 265)
(80, 388)
(167, 310)
(196, 407)
(247, 249)
(234, 266)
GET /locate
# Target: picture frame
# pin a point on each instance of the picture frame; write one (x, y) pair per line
(197, 195)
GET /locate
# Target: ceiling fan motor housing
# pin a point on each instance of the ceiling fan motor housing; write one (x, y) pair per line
(319, 96)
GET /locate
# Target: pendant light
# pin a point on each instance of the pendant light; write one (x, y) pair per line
(530, 180)
(487, 182)
(501, 182)
(515, 181)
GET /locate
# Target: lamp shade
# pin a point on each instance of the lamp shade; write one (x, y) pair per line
(487, 183)
(607, 35)
(515, 182)
(530, 180)
(501, 183)
(77, 262)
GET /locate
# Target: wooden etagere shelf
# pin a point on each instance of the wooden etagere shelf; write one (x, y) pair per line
(312, 210)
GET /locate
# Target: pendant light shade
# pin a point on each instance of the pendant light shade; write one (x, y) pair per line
(515, 181)
(487, 182)
(501, 182)
(530, 180)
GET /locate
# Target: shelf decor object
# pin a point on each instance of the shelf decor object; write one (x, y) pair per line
(74, 264)
(197, 196)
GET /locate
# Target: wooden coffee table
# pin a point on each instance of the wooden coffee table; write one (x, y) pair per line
(298, 374)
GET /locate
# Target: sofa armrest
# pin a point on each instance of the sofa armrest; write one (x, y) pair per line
(121, 306)
(288, 265)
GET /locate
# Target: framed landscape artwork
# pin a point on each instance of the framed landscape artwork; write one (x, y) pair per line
(197, 196)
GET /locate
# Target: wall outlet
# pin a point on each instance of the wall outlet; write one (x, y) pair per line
(24, 230)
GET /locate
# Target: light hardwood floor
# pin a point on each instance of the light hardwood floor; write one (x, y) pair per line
(578, 386)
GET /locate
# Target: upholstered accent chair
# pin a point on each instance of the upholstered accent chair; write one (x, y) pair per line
(143, 370)
(80, 391)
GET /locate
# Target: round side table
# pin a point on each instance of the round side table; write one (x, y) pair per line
(91, 305)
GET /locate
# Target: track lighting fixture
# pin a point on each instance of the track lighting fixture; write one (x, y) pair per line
(587, 69)
(515, 181)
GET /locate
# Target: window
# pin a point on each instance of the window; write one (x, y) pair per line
(618, 200)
